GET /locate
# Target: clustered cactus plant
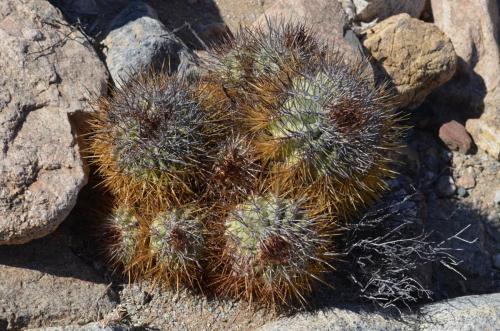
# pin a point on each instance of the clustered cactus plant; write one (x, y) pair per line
(241, 180)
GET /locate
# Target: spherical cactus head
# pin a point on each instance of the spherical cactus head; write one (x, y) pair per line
(123, 236)
(283, 46)
(157, 125)
(177, 241)
(275, 248)
(263, 51)
(235, 173)
(326, 125)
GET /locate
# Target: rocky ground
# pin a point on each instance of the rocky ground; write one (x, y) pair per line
(62, 54)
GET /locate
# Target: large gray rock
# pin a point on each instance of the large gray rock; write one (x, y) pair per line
(337, 319)
(48, 71)
(136, 39)
(416, 56)
(478, 312)
(47, 283)
(475, 312)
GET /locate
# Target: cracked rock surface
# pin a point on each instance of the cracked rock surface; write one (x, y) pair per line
(47, 73)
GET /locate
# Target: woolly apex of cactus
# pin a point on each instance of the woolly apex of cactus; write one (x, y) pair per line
(177, 242)
(274, 250)
(123, 237)
(152, 138)
(262, 51)
(325, 124)
(235, 173)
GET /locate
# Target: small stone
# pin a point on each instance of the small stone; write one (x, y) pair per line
(467, 181)
(496, 261)
(454, 135)
(497, 197)
(462, 192)
(446, 186)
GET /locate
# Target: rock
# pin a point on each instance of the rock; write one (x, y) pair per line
(337, 319)
(47, 72)
(467, 180)
(496, 199)
(486, 130)
(462, 192)
(373, 10)
(87, 327)
(454, 135)
(416, 56)
(474, 312)
(474, 28)
(45, 283)
(446, 186)
(137, 40)
(326, 18)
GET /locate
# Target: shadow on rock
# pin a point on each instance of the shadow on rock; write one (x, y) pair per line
(97, 18)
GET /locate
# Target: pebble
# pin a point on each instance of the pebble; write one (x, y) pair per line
(446, 186)
(467, 181)
(462, 192)
(454, 135)
(497, 197)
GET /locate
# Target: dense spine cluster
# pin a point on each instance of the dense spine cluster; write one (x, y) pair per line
(273, 248)
(242, 178)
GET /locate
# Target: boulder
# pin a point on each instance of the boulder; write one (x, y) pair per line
(48, 72)
(416, 56)
(136, 39)
(474, 30)
(486, 130)
(475, 312)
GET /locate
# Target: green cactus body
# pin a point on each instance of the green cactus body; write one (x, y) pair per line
(302, 118)
(177, 240)
(124, 228)
(273, 240)
(160, 130)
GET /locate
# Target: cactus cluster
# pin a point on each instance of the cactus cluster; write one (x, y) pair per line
(240, 181)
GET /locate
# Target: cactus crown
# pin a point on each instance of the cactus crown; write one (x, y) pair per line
(176, 238)
(124, 228)
(328, 121)
(157, 125)
(273, 237)
(266, 51)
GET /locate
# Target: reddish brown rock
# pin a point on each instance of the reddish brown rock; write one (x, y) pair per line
(454, 135)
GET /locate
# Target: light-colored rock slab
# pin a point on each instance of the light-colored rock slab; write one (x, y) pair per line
(48, 71)
(45, 283)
